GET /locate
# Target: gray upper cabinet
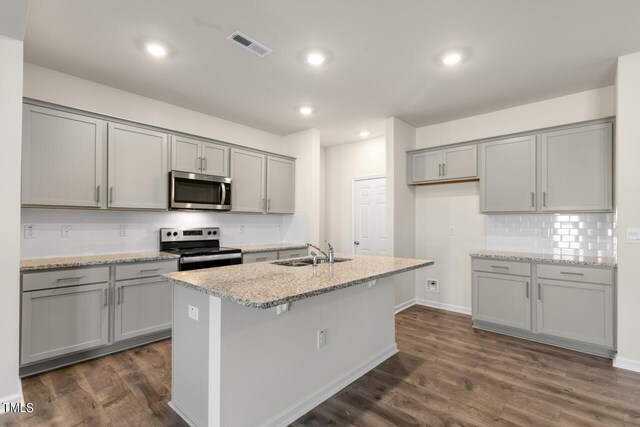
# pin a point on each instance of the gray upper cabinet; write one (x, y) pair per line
(577, 169)
(449, 164)
(62, 158)
(65, 320)
(142, 306)
(460, 162)
(281, 177)
(138, 167)
(424, 166)
(248, 181)
(508, 175)
(577, 311)
(502, 299)
(196, 156)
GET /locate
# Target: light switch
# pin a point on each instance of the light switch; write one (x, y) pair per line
(193, 312)
(65, 231)
(29, 231)
(633, 235)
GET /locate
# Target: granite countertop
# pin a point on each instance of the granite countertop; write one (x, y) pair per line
(588, 261)
(269, 247)
(90, 260)
(264, 285)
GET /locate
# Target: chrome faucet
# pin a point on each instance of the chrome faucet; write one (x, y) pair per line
(329, 257)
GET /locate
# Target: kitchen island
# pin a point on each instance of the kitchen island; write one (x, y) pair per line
(262, 343)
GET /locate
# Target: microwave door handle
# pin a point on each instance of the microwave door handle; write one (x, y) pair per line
(223, 186)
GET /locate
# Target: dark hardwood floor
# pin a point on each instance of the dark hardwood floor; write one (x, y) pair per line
(446, 373)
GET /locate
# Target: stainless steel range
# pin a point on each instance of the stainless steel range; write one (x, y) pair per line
(198, 248)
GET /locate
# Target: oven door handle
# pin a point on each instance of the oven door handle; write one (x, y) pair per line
(202, 258)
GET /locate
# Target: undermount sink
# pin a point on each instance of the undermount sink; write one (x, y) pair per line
(302, 262)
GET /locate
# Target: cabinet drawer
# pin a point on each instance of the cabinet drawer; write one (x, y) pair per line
(576, 274)
(145, 269)
(61, 278)
(292, 253)
(259, 257)
(505, 267)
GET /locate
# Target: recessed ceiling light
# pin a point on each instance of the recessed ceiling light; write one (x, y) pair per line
(156, 50)
(316, 58)
(306, 110)
(451, 58)
(364, 133)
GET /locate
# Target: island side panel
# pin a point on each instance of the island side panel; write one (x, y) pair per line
(272, 371)
(195, 375)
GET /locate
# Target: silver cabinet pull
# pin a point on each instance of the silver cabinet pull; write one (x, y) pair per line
(268, 204)
(539, 292)
(439, 169)
(500, 266)
(98, 194)
(120, 296)
(199, 163)
(204, 161)
(261, 258)
(527, 290)
(64, 279)
(111, 195)
(533, 199)
(544, 199)
(149, 269)
(444, 169)
(264, 204)
(569, 273)
(106, 298)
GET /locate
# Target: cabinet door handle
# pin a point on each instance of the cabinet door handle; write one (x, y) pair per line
(263, 204)
(444, 169)
(539, 292)
(527, 290)
(264, 258)
(268, 204)
(204, 167)
(199, 163)
(439, 169)
(533, 199)
(98, 194)
(569, 273)
(500, 266)
(111, 195)
(149, 269)
(106, 298)
(64, 279)
(120, 296)
(544, 199)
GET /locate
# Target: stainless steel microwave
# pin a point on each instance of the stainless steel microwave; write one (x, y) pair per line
(199, 192)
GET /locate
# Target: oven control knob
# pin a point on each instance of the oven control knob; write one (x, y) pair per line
(168, 233)
(175, 233)
(215, 232)
(209, 233)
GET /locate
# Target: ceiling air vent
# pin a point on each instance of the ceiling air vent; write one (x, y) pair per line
(248, 43)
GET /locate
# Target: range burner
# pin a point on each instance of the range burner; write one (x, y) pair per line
(198, 248)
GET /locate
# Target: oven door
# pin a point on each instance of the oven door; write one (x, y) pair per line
(209, 261)
(200, 192)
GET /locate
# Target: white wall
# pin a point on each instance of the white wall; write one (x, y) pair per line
(628, 205)
(343, 163)
(439, 207)
(63, 89)
(10, 137)
(401, 201)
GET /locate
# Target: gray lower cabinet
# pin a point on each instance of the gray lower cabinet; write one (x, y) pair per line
(74, 314)
(576, 311)
(502, 299)
(142, 306)
(65, 320)
(259, 257)
(565, 305)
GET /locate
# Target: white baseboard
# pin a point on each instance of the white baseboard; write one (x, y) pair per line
(178, 410)
(14, 398)
(295, 412)
(449, 307)
(404, 305)
(628, 364)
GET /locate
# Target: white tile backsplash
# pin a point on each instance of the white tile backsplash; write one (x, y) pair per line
(566, 234)
(98, 232)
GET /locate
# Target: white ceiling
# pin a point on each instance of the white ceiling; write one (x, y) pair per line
(382, 55)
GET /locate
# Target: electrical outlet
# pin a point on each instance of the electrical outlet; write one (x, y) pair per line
(65, 231)
(124, 231)
(432, 285)
(193, 313)
(322, 338)
(29, 231)
(452, 230)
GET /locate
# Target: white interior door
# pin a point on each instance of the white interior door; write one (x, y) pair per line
(370, 216)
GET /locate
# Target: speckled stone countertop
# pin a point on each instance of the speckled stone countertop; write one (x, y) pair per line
(89, 260)
(270, 247)
(265, 285)
(547, 258)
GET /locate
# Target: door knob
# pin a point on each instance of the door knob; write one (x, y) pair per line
(355, 242)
